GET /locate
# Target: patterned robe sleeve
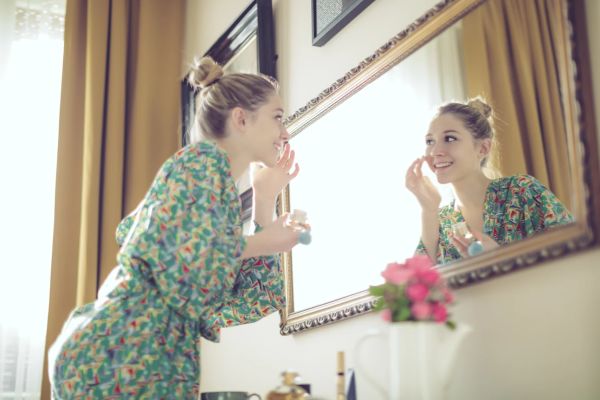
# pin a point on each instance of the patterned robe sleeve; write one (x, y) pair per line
(541, 209)
(421, 250)
(439, 248)
(258, 291)
(124, 227)
(181, 238)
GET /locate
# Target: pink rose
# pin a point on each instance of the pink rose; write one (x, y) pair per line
(417, 292)
(421, 310)
(419, 262)
(439, 312)
(448, 296)
(386, 315)
(396, 273)
(429, 276)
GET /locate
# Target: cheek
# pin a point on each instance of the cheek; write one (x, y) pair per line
(268, 128)
(429, 161)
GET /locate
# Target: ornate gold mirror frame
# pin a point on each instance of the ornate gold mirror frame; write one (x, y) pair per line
(581, 141)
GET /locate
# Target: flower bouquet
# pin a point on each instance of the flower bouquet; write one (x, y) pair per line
(413, 291)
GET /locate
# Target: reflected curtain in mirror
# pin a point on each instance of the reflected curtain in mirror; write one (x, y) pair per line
(519, 75)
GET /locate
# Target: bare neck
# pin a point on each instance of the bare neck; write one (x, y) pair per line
(470, 191)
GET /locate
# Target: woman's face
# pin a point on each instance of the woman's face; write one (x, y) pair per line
(267, 135)
(451, 151)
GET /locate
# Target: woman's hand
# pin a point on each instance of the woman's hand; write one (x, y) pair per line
(269, 182)
(275, 238)
(428, 196)
(462, 243)
(281, 236)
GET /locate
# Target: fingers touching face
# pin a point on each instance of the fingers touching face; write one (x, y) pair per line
(286, 160)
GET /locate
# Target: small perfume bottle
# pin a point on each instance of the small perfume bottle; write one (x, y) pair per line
(461, 229)
(288, 390)
(298, 220)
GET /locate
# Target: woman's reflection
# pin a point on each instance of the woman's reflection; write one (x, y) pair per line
(496, 211)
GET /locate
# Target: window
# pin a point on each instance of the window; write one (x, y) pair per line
(31, 51)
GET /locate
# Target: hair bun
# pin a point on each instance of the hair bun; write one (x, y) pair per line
(480, 105)
(204, 72)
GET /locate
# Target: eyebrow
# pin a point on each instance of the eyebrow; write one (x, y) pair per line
(279, 109)
(446, 131)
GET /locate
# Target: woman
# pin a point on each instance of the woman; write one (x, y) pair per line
(496, 211)
(184, 268)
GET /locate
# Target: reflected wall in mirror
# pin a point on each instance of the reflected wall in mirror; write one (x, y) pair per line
(521, 58)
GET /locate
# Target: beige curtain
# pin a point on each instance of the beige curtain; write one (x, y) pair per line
(119, 121)
(511, 59)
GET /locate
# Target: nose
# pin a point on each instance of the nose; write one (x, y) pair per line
(437, 149)
(284, 134)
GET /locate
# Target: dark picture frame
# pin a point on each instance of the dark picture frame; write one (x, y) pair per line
(255, 22)
(330, 16)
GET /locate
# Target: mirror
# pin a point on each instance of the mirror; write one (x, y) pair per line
(247, 46)
(372, 124)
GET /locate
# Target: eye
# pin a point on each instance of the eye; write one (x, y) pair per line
(429, 142)
(451, 138)
(279, 117)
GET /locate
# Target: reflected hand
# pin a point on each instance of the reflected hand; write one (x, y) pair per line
(462, 242)
(268, 182)
(428, 196)
(280, 236)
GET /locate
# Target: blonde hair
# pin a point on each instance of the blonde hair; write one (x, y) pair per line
(220, 93)
(478, 118)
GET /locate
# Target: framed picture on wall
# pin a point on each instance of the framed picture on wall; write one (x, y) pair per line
(248, 45)
(330, 16)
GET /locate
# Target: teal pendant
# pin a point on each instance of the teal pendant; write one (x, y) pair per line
(475, 248)
(304, 237)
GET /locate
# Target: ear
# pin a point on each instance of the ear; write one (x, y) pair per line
(239, 118)
(485, 146)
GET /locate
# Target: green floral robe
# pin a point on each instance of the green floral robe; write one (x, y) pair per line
(515, 208)
(179, 277)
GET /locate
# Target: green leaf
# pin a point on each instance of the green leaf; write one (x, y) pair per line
(403, 302)
(380, 305)
(402, 314)
(399, 290)
(451, 324)
(377, 290)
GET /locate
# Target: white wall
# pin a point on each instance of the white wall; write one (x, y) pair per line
(536, 331)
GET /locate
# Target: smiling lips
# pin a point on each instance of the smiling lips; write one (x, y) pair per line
(442, 165)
